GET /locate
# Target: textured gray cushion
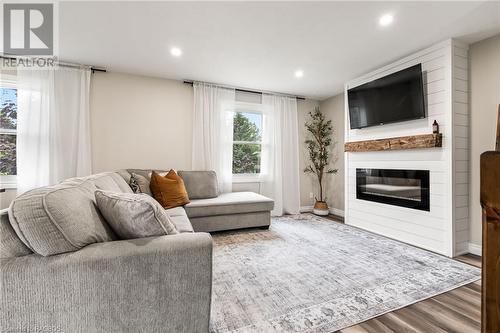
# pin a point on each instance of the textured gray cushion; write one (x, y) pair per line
(60, 218)
(134, 215)
(142, 182)
(200, 184)
(180, 219)
(229, 203)
(159, 284)
(10, 245)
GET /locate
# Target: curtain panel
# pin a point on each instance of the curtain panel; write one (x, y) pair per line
(53, 129)
(280, 154)
(213, 132)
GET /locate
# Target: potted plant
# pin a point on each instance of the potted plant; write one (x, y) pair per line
(319, 143)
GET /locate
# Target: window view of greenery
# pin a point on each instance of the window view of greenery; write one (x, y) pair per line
(8, 124)
(247, 136)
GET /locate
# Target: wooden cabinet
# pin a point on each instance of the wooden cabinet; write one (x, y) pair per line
(490, 202)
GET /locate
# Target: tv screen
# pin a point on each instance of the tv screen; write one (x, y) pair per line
(392, 98)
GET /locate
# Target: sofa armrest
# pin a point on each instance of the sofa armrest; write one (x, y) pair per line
(157, 284)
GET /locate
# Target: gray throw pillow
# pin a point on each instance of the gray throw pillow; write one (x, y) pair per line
(140, 183)
(134, 215)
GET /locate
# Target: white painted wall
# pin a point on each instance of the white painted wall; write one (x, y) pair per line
(433, 230)
(484, 100)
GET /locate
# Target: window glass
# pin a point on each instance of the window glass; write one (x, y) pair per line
(247, 137)
(8, 125)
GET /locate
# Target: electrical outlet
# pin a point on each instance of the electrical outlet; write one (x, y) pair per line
(311, 195)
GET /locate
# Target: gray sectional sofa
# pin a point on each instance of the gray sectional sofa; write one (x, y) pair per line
(63, 270)
(210, 210)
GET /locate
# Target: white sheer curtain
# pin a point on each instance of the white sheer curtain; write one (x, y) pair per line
(280, 154)
(53, 130)
(213, 132)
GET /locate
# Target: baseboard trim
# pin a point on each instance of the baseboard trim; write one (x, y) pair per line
(475, 249)
(306, 209)
(333, 211)
(336, 211)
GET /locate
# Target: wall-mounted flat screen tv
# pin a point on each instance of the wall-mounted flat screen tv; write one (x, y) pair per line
(392, 98)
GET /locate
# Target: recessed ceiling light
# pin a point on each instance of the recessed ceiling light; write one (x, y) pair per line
(386, 20)
(299, 73)
(175, 51)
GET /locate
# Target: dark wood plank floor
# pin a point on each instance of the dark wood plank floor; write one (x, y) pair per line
(457, 311)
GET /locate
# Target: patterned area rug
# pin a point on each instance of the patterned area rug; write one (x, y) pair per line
(309, 274)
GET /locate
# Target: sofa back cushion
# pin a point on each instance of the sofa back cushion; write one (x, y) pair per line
(147, 172)
(64, 217)
(200, 184)
(110, 181)
(10, 245)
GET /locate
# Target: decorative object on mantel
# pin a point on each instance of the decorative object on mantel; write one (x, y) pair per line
(318, 144)
(435, 127)
(397, 143)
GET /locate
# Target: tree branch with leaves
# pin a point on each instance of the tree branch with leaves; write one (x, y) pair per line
(319, 143)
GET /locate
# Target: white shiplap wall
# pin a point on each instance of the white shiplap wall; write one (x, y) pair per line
(434, 230)
(460, 89)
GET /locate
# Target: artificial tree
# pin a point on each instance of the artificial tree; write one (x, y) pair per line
(319, 143)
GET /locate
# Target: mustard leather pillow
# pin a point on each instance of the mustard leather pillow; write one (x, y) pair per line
(169, 190)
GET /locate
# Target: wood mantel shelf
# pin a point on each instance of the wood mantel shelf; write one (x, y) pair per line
(398, 143)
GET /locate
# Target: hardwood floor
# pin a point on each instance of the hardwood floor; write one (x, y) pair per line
(457, 311)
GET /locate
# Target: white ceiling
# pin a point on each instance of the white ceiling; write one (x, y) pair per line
(259, 45)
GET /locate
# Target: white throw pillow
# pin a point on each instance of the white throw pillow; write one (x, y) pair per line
(134, 215)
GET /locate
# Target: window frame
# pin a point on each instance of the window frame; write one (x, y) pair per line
(244, 107)
(8, 181)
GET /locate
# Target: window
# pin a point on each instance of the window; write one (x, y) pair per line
(8, 126)
(247, 142)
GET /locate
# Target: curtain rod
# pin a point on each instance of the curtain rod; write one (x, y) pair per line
(66, 64)
(190, 82)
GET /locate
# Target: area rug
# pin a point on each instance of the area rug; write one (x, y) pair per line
(310, 274)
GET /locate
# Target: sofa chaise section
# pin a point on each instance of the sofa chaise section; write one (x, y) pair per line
(228, 211)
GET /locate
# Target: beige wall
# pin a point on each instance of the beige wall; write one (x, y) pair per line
(140, 122)
(484, 99)
(306, 181)
(333, 108)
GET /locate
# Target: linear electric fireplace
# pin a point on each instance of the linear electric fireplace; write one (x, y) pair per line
(405, 188)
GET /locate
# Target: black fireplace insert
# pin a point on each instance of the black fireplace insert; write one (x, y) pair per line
(405, 188)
